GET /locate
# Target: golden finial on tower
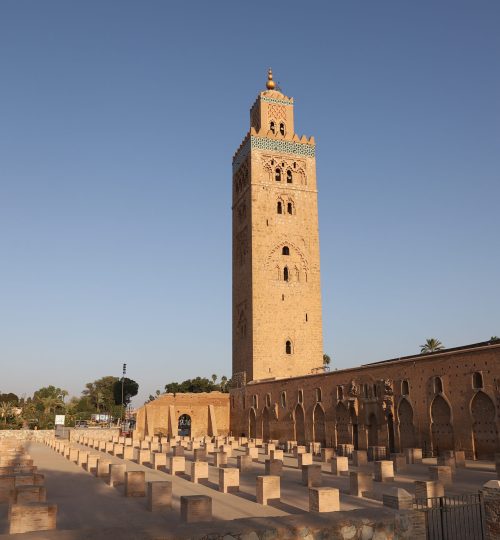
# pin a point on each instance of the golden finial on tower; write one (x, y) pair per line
(270, 83)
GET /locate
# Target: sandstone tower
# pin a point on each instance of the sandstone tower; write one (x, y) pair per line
(277, 327)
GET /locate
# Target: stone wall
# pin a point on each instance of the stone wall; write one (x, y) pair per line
(431, 401)
(98, 433)
(209, 414)
(25, 434)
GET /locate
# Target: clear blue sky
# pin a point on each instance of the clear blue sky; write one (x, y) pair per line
(118, 122)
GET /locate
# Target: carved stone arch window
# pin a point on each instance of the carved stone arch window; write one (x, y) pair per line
(279, 207)
(282, 128)
(477, 380)
(268, 400)
(405, 387)
(375, 390)
(288, 347)
(437, 385)
(290, 208)
(340, 393)
(286, 274)
(318, 395)
(285, 250)
(289, 177)
(296, 273)
(300, 396)
(277, 174)
(283, 399)
(255, 401)
(272, 126)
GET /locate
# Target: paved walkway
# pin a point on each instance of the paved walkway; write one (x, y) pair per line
(88, 505)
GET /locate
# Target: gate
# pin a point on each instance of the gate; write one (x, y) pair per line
(457, 517)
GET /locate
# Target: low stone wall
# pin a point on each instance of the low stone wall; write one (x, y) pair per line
(368, 524)
(95, 433)
(25, 434)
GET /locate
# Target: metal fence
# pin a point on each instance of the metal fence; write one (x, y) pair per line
(458, 517)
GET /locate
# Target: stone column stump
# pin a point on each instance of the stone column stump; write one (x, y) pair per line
(32, 517)
(159, 496)
(135, 484)
(177, 465)
(196, 508)
(384, 471)
(116, 474)
(199, 471)
(359, 458)
(339, 465)
(229, 480)
(441, 473)
(327, 454)
(359, 483)
(311, 475)
(324, 499)
(268, 489)
(274, 467)
(244, 463)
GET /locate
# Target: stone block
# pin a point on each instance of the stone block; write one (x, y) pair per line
(144, 456)
(73, 454)
(31, 517)
(413, 455)
(397, 498)
(274, 467)
(110, 447)
(199, 471)
(268, 447)
(200, 454)
(377, 453)
(102, 468)
(304, 459)
(92, 463)
(324, 499)
(102, 446)
(220, 459)
(311, 475)
(447, 461)
(116, 475)
(491, 500)
(441, 473)
(244, 463)
(159, 460)
(314, 448)
(159, 496)
(459, 458)
(384, 471)
(399, 462)
(428, 489)
(339, 465)
(327, 454)
(289, 446)
(359, 458)
(28, 494)
(178, 450)
(135, 484)
(268, 489)
(253, 452)
(82, 458)
(297, 450)
(196, 508)
(359, 483)
(128, 452)
(118, 449)
(177, 465)
(229, 480)
(276, 454)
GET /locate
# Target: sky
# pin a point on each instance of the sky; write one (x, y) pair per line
(118, 123)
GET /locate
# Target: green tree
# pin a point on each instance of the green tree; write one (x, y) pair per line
(101, 394)
(326, 360)
(214, 378)
(130, 389)
(6, 411)
(431, 345)
(10, 398)
(494, 339)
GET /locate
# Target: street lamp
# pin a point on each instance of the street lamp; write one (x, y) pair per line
(123, 384)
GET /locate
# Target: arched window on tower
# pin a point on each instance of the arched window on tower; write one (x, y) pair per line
(279, 207)
(289, 208)
(477, 380)
(438, 385)
(282, 128)
(285, 250)
(277, 174)
(289, 176)
(272, 126)
(405, 388)
(288, 347)
(285, 273)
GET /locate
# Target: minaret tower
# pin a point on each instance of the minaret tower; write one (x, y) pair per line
(277, 328)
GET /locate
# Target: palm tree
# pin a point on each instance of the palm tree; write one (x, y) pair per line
(326, 360)
(431, 345)
(214, 378)
(5, 410)
(223, 383)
